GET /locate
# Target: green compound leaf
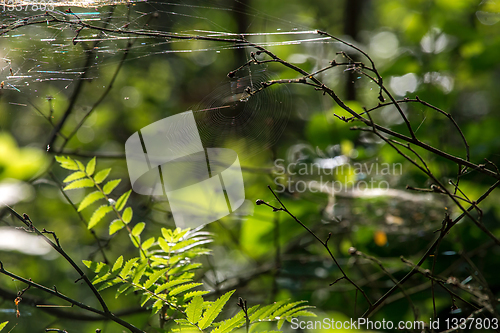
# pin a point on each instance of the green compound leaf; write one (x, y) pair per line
(98, 215)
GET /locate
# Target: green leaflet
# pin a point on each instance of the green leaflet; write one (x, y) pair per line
(127, 215)
(74, 176)
(265, 311)
(213, 311)
(170, 284)
(2, 325)
(118, 264)
(67, 163)
(138, 228)
(292, 312)
(81, 183)
(127, 269)
(230, 324)
(194, 310)
(115, 226)
(183, 288)
(164, 245)
(195, 293)
(122, 200)
(90, 167)
(96, 267)
(157, 306)
(90, 199)
(303, 313)
(101, 175)
(285, 308)
(154, 277)
(148, 243)
(98, 215)
(110, 186)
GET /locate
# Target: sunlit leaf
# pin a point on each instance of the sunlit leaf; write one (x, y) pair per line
(138, 228)
(115, 226)
(118, 264)
(230, 324)
(183, 288)
(102, 175)
(127, 269)
(89, 199)
(148, 243)
(122, 201)
(154, 277)
(127, 215)
(90, 167)
(213, 311)
(110, 186)
(98, 215)
(170, 284)
(74, 176)
(79, 184)
(194, 310)
(80, 165)
(2, 325)
(67, 163)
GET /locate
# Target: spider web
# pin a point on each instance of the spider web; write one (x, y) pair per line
(147, 29)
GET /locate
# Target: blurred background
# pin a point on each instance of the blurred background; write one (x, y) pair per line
(445, 52)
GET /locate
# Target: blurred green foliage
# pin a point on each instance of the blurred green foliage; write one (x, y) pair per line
(444, 51)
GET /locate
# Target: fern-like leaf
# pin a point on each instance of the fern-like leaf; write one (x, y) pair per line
(213, 311)
(154, 277)
(127, 269)
(183, 288)
(194, 310)
(231, 324)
